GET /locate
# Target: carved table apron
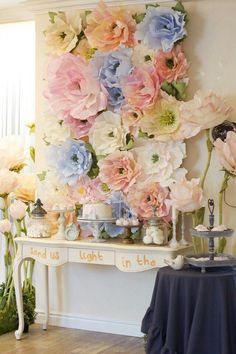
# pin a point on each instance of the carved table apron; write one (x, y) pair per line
(50, 252)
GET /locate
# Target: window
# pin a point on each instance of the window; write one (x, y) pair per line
(17, 77)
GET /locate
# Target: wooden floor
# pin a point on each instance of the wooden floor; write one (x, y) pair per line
(58, 340)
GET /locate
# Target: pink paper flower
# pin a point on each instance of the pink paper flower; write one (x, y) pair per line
(187, 196)
(141, 87)
(18, 209)
(89, 190)
(146, 196)
(131, 117)
(205, 111)
(107, 28)
(226, 152)
(80, 128)
(119, 170)
(171, 65)
(72, 91)
(5, 226)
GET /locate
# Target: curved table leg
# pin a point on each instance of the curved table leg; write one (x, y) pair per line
(45, 324)
(18, 291)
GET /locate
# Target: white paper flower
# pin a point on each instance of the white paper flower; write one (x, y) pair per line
(107, 134)
(5, 226)
(12, 152)
(159, 160)
(54, 131)
(142, 54)
(18, 209)
(51, 191)
(62, 34)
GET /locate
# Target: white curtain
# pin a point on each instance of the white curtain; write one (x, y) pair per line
(17, 77)
(17, 86)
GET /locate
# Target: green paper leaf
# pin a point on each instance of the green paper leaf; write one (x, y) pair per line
(52, 16)
(179, 7)
(101, 157)
(138, 17)
(41, 176)
(32, 153)
(142, 134)
(151, 5)
(87, 12)
(89, 148)
(175, 88)
(31, 127)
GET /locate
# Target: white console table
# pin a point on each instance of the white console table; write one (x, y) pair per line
(50, 252)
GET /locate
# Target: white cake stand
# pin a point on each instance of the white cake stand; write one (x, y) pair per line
(96, 225)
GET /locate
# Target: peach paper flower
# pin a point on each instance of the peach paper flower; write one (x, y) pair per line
(205, 111)
(146, 196)
(187, 196)
(26, 187)
(131, 117)
(141, 87)
(226, 152)
(119, 170)
(171, 65)
(72, 91)
(107, 28)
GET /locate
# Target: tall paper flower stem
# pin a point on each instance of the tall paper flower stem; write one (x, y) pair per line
(198, 216)
(209, 149)
(224, 185)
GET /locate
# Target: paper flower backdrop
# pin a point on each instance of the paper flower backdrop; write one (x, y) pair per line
(118, 83)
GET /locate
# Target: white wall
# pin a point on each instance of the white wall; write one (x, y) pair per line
(103, 298)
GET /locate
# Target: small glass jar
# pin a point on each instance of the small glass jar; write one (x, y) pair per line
(38, 226)
(155, 232)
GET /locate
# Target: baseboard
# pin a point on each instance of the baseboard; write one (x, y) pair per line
(91, 324)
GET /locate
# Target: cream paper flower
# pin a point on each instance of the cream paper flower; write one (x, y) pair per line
(160, 160)
(165, 122)
(205, 111)
(62, 34)
(54, 131)
(187, 196)
(12, 152)
(8, 181)
(107, 134)
(51, 191)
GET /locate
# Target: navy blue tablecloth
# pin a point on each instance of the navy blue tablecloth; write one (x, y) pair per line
(192, 313)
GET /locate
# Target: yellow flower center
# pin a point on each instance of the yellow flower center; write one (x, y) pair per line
(167, 118)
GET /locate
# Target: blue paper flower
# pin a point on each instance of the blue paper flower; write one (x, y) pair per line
(71, 160)
(161, 28)
(109, 68)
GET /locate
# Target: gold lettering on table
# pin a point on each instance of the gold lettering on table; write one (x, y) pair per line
(145, 261)
(93, 256)
(54, 255)
(126, 263)
(40, 254)
(44, 254)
